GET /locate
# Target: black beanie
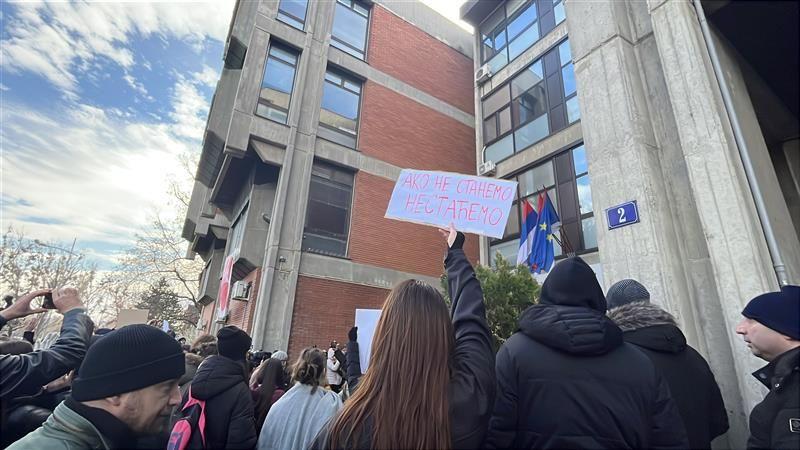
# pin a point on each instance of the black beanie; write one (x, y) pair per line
(124, 360)
(779, 311)
(233, 343)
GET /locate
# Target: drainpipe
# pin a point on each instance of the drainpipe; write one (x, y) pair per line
(741, 145)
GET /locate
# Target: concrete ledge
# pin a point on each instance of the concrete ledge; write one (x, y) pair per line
(282, 31)
(269, 131)
(326, 267)
(547, 147)
(355, 159)
(269, 153)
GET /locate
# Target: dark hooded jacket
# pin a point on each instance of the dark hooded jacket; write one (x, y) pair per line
(230, 422)
(775, 422)
(690, 380)
(566, 379)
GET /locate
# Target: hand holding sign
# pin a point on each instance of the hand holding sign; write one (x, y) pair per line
(473, 204)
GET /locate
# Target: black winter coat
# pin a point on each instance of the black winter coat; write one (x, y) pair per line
(775, 422)
(567, 380)
(230, 422)
(472, 383)
(690, 380)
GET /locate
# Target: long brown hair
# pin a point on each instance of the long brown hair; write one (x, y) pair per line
(271, 376)
(404, 393)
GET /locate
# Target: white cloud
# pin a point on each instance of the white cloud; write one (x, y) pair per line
(59, 41)
(94, 174)
(137, 86)
(3, 87)
(208, 76)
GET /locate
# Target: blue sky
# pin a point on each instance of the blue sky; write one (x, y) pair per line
(99, 102)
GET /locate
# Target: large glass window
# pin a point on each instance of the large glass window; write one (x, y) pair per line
(277, 84)
(538, 101)
(350, 27)
(341, 97)
(328, 214)
(514, 27)
(293, 12)
(566, 179)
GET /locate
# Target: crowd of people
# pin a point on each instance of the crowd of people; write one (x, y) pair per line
(585, 369)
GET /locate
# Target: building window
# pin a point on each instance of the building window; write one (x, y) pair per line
(350, 27)
(293, 12)
(508, 32)
(558, 10)
(237, 233)
(328, 215)
(537, 102)
(341, 97)
(565, 177)
(277, 84)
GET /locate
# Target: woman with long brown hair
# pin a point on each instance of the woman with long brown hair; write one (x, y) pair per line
(430, 382)
(269, 390)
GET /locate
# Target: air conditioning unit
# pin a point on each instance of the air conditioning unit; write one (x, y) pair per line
(483, 74)
(240, 290)
(487, 168)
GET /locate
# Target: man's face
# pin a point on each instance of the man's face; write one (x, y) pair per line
(763, 341)
(140, 409)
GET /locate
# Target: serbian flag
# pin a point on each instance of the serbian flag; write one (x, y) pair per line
(529, 219)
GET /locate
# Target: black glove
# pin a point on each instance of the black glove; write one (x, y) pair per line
(459, 242)
(353, 334)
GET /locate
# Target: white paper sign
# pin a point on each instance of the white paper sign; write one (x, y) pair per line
(366, 321)
(473, 204)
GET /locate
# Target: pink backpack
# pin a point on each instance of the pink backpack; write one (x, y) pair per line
(193, 418)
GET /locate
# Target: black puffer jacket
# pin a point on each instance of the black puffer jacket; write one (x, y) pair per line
(690, 380)
(230, 422)
(775, 422)
(567, 380)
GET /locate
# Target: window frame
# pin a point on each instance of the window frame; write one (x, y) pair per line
(337, 42)
(288, 49)
(351, 203)
(504, 22)
(241, 219)
(331, 131)
(289, 17)
(493, 242)
(549, 103)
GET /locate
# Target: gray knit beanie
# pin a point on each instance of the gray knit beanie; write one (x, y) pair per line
(626, 291)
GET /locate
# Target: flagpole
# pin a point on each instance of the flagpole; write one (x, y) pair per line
(566, 246)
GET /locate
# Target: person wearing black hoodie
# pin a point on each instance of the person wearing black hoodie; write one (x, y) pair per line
(691, 382)
(566, 379)
(221, 381)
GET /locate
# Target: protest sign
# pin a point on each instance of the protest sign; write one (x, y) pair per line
(473, 204)
(131, 316)
(366, 321)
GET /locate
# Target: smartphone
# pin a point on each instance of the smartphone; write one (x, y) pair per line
(47, 302)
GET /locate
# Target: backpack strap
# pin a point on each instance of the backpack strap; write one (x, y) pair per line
(201, 422)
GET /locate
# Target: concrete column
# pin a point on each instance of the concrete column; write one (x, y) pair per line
(737, 250)
(630, 133)
(273, 314)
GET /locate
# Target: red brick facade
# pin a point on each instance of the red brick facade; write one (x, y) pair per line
(241, 312)
(397, 245)
(403, 132)
(411, 55)
(325, 310)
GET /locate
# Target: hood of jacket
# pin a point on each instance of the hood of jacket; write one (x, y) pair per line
(573, 283)
(649, 326)
(216, 375)
(573, 329)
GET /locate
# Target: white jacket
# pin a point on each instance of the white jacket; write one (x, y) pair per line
(333, 365)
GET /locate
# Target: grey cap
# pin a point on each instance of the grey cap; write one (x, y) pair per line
(626, 291)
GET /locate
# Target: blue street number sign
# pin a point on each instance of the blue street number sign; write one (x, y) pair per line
(622, 215)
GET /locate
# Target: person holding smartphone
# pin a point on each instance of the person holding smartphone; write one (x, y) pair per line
(25, 374)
